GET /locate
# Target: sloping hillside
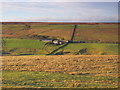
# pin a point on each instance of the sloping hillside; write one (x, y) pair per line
(95, 32)
(60, 71)
(35, 47)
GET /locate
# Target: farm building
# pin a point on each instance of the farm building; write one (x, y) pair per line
(47, 40)
(53, 41)
(57, 42)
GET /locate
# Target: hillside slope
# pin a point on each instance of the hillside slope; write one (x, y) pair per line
(35, 47)
(97, 32)
(80, 71)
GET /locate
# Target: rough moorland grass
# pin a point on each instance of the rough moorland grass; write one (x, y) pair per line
(49, 27)
(113, 26)
(104, 33)
(51, 80)
(42, 26)
(13, 27)
(101, 32)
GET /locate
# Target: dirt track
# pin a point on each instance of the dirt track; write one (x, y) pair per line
(106, 65)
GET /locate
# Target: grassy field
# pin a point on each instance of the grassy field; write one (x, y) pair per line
(27, 79)
(69, 71)
(103, 33)
(99, 32)
(23, 43)
(34, 47)
(94, 48)
(26, 63)
(26, 47)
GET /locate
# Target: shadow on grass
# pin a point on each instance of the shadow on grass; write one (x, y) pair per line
(53, 52)
(25, 54)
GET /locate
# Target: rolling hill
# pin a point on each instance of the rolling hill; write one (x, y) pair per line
(22, 41)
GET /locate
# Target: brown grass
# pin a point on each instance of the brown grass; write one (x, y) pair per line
(96, 65)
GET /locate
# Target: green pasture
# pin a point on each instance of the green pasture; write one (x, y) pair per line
(94, 48)
(26, 47)
(23, 43)
(36, 47)
(51, 80)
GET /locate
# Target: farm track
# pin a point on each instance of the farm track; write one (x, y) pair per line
(95, 65)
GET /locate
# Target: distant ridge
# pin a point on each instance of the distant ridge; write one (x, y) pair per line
(59, 22)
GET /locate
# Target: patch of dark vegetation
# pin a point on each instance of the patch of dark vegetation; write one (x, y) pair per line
(79, 73)
(4, 52)
(59, 53)
(25, 54)
(12, 50)
(104, 53)
(67, 52)
(81, 51)
(41, 37)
